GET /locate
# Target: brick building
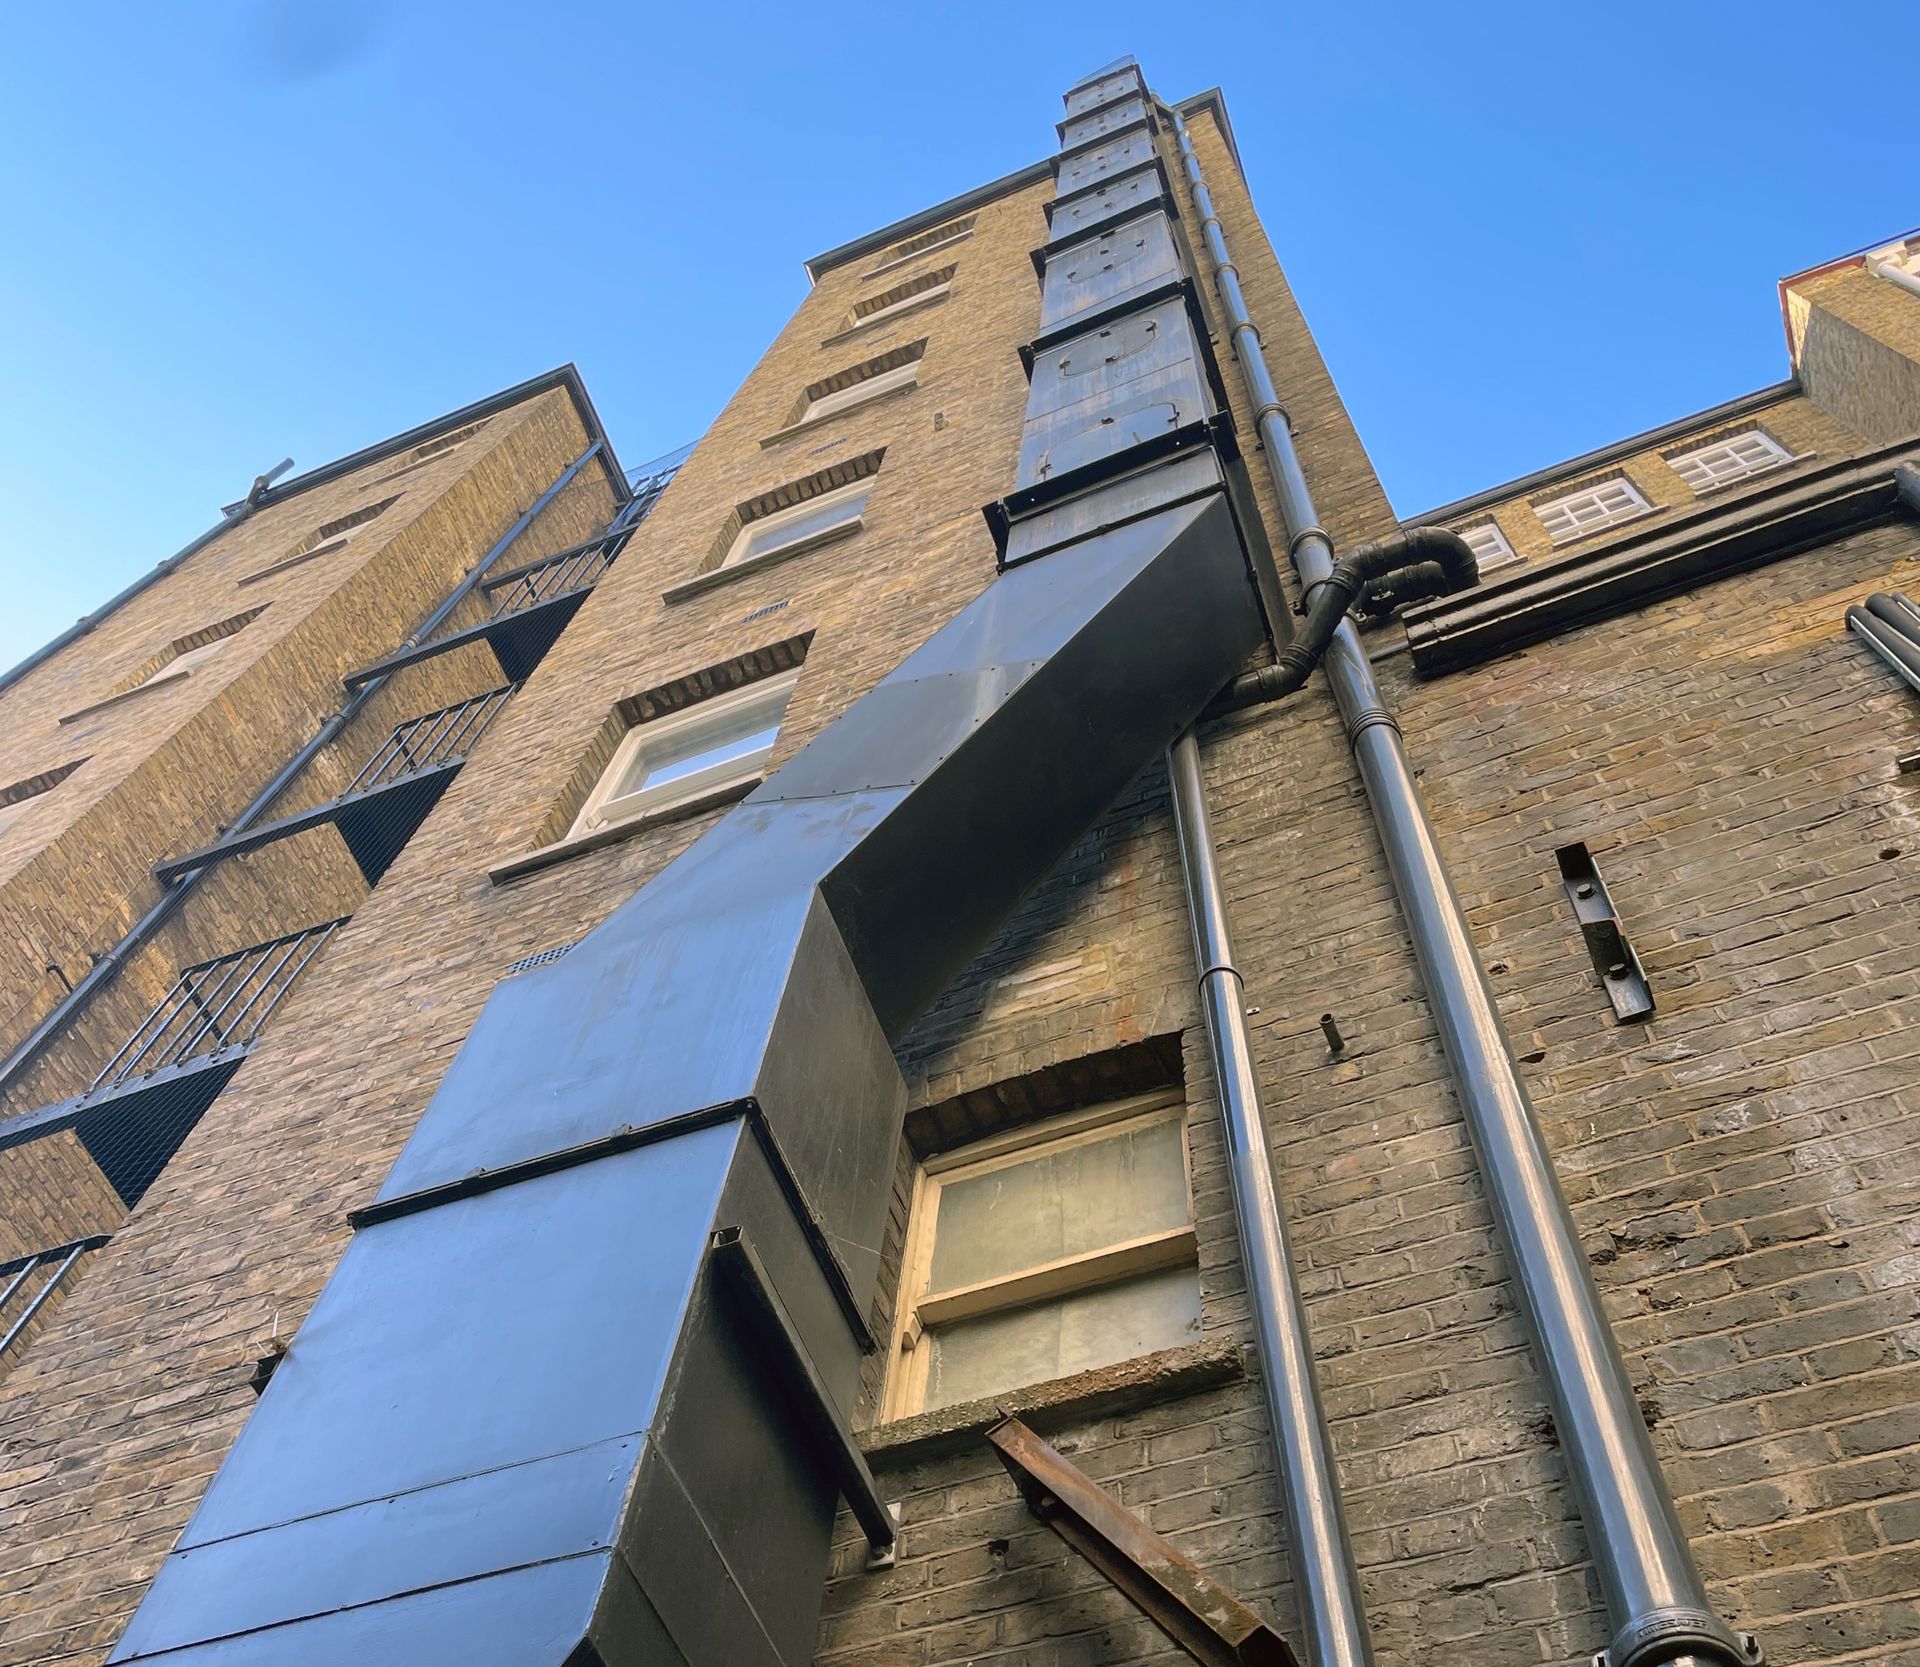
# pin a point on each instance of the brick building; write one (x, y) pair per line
(349, 944)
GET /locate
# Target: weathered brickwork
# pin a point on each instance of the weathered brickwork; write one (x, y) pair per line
(1856, 345)
(1738, 1166)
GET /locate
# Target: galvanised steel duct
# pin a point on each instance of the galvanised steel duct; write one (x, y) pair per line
(1654, 1594)
(578, 1390)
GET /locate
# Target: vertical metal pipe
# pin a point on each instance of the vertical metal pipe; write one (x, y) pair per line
(1325, 1584)
(1655, 1598)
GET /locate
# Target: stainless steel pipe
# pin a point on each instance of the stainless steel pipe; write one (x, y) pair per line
(1326, 1587)
(1655, 1598)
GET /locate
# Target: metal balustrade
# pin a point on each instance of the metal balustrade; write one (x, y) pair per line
(576, 568)
(433, 738)
(29, 1277)
(215, 1006)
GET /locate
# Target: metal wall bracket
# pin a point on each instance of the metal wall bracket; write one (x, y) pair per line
(1621, 974)
(737, 1263)
(1179, 1597)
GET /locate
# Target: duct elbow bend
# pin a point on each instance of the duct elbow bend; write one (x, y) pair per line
(1412, 546)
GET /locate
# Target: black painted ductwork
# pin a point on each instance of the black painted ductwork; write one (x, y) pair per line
(530, 1421)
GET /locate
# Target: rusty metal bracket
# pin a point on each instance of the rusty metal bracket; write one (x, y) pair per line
(1621, 974)
(1181, 1599)
(735, 1259)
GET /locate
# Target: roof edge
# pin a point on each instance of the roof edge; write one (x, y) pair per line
(561, 376)
(924, 219)
(1741, 406)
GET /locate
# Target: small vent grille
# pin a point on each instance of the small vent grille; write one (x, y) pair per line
(545, 958)
(761, 613)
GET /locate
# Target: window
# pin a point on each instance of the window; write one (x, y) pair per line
(420, 456)
(179, 659)
(690, 755)
(21, 792)
(815, 520)
(1591, 508)
(1048, 1251)
(325, 540)
(907, 297)
(1489, 544)
(845, 389)
(1735, 457)
(924, 243)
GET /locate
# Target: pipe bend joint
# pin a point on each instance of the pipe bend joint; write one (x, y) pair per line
(1657, 1637)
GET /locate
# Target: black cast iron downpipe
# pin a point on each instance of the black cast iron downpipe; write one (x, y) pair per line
(1326, 1587)
(106, 966)
(1654, 1594)
(1384, 572)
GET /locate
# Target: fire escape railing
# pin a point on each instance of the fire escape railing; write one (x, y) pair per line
(383, 806)
(578, 567)
(215, 1007)
(20, 1276)
(431, 740)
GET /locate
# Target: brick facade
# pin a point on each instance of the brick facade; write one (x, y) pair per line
(1738, 1165)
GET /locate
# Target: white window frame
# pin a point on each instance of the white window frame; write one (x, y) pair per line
(1489, 545)
(759, 539)
(854, 394)
(915, 1312)
(1577, 515)
(605, 808)
(1721, 463)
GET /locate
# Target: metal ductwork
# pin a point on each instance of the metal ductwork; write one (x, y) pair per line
(533, 1418)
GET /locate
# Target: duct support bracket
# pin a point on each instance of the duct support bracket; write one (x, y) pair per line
(748, 1281)
(1176, 1594)
(1621, 974)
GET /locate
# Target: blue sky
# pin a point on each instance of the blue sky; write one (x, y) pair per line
(236, 230)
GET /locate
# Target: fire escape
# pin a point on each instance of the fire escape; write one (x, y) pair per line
(142, 1103)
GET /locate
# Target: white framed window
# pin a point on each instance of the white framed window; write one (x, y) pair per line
(1732, 458)
(1489, 545)
(1591, 508)
(859, 392)
(823, 516)
(689, 755)
(1047, 1251)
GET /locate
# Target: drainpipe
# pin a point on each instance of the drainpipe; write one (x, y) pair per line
(1655, 1598)
(1881, 267)
(107, 966)
(1325, 1585)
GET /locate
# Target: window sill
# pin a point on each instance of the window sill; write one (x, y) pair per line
(866, 324)
(918, 254)
(807, 425)
(575, 845)
(1164, 1376)
(145, 688)
(717, 576)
